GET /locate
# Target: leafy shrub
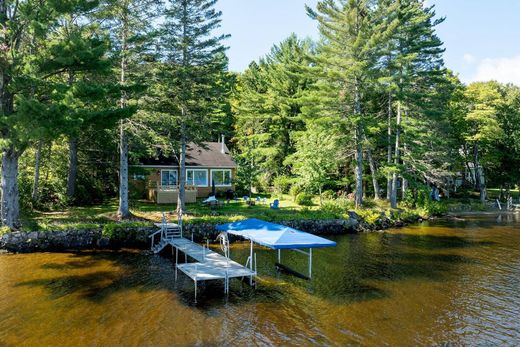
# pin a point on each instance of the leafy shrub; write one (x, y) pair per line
(112, 230)
(282, 184)
(420, 199)
(333, 208)
(295, 190)
(328, 195)
(337, 207)
(304, 199)
(4, 230)
(369, 216)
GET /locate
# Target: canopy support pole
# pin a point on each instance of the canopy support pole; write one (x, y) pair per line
(279, 255)
(310, 262)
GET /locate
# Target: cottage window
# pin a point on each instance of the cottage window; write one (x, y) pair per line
(197, 177)
(221, 178)
(169, 178)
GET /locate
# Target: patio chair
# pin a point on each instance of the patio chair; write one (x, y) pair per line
(275, 204)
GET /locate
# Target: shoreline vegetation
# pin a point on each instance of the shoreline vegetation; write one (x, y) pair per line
(98, 227)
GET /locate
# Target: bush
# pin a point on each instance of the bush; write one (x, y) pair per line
(337, 207)
(328, 195)
(369, 216)
(282, 184)
(4, 230)
(295, 190)
(304, 199)
(330, 207)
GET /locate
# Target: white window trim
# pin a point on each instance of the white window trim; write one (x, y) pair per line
(203, 170)
(176, 172)
(221, 185)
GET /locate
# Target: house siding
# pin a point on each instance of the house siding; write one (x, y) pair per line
(153, 180)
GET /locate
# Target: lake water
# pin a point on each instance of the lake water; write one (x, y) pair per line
(453, 281)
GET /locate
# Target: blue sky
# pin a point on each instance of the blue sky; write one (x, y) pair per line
(482, 37)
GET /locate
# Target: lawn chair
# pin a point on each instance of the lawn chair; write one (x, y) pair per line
(258, 199)
(275, 205)
(264, 200)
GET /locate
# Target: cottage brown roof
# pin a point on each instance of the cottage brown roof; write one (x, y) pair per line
(209, 154)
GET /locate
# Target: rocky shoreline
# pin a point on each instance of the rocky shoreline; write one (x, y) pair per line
(138, 237)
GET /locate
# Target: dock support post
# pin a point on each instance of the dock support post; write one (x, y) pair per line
(195, 290)
(310, 262)
(176, 261)
(251, 263)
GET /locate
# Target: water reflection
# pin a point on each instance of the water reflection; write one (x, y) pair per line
(450, 281)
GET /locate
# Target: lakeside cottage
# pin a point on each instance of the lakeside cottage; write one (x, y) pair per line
(157, 179)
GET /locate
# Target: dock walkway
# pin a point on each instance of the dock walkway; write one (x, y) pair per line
(209, 265)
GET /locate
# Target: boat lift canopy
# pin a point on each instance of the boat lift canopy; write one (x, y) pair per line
(276, 236)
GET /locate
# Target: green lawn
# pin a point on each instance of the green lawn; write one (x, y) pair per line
(148, 211)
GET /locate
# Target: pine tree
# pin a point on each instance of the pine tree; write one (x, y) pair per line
(414, 63)
(23, 114)
(268, 100)
(76, 61)
(192, 60)
(352, 35)
(130, 25)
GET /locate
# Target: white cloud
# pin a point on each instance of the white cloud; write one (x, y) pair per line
(469, 58)
(505, 70)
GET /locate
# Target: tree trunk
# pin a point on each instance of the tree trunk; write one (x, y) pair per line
(393, 195)
(478, 177)
(359, 151)
(404, 185)
(182, 174)
(389, 149)
(36, 183)
(373, 173)
(73, 167)
(476, 171)
(124, 210)
(10, 207)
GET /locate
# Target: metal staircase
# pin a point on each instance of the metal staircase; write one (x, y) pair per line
(166, 233)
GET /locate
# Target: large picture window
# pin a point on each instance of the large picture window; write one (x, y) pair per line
(169, 178)
(221, 178)
(197, 177)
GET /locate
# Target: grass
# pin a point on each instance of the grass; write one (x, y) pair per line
(144, 211)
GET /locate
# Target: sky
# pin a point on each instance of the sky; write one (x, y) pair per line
(481, 37)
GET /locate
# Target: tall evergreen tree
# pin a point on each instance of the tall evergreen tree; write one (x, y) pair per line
(130, 24)
(192, 60)
(76, 60)
(268, 100)
(24, 112)
(413, 63)
(352, 34)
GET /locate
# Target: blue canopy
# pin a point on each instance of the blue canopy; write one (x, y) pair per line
(273, 235)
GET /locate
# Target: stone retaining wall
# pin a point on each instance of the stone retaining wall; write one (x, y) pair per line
(39, 241)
